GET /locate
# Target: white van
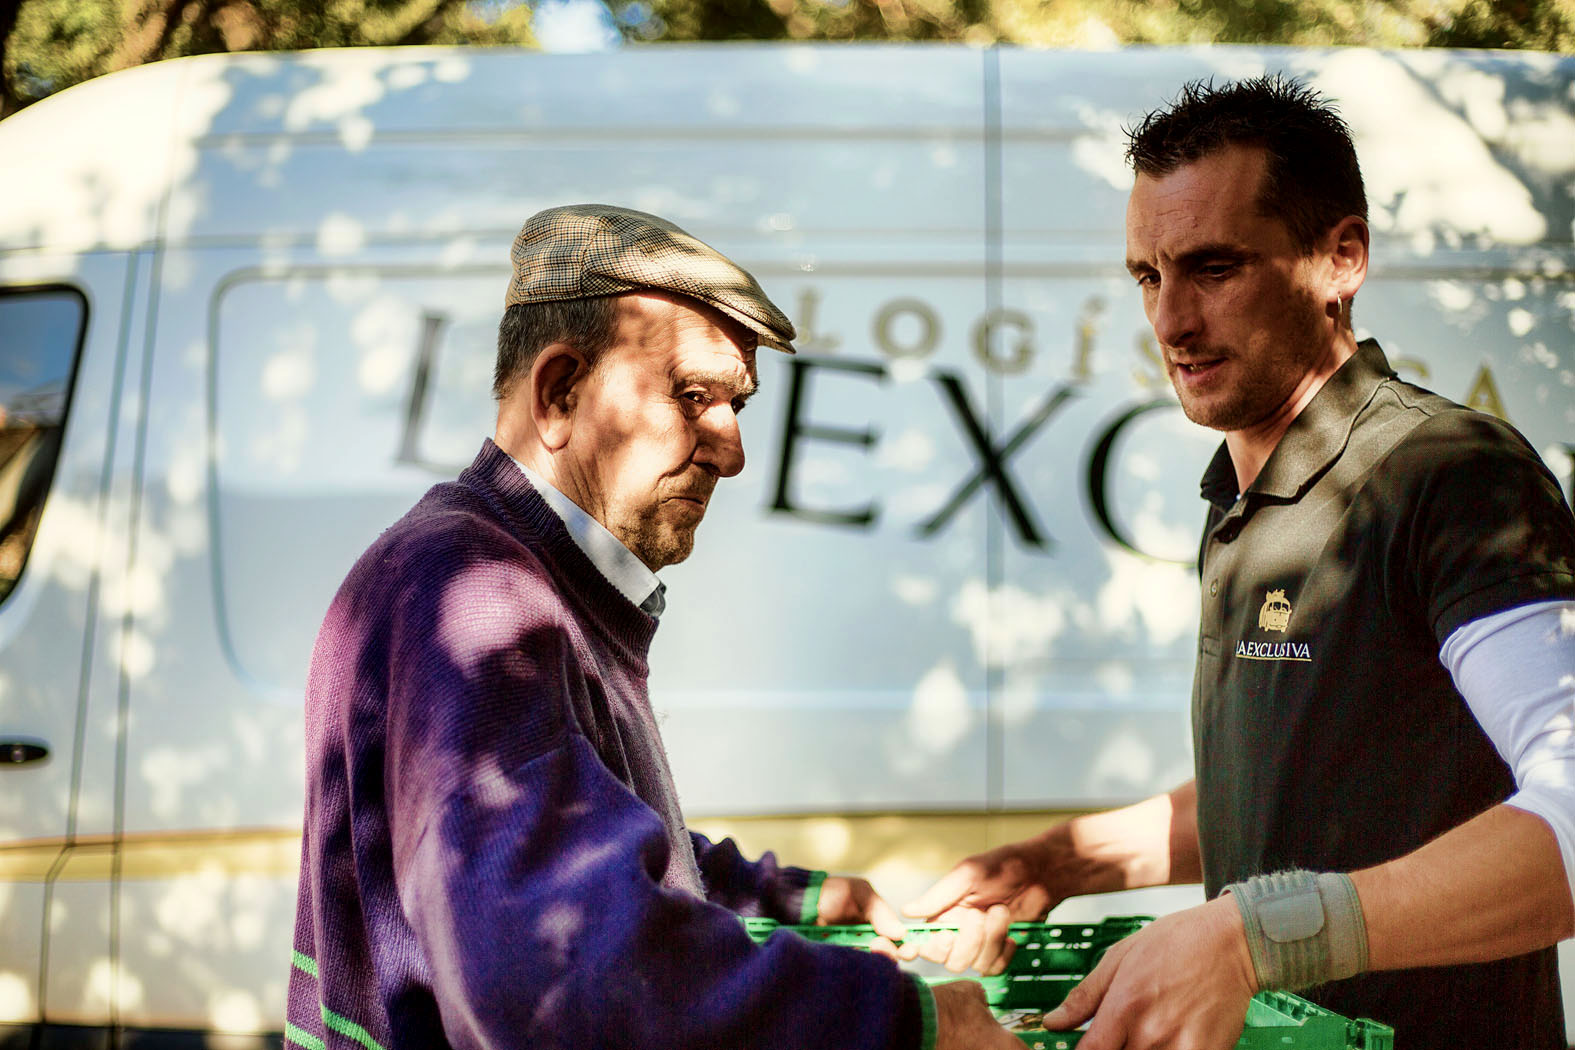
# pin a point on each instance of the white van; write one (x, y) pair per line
(247, 315)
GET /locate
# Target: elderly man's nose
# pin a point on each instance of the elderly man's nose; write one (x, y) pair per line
(721, 447)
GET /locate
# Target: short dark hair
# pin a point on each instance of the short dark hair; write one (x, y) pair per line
(588, 325)
(1311, 180)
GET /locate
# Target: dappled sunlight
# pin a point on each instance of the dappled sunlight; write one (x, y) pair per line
(348, 84)
(474, 643)
(253, 900)
(381, 334)
(108, 195)
(213, 939)
(189, 908)
(71, 543)
(334, 253)
(1147, 599)
(16, 997)
(914, 590)
(1461, 307)
(938, 718)
(340, 235)
(234, 1010)
(109, 983)
(171, 772)
(1124, 766)
(1154, 527)
(912, 450)
(1456, 187)
(828, 837)
(916, 500)
(290, 372)
(1009, 624)
(1102, 151)
(561, 926)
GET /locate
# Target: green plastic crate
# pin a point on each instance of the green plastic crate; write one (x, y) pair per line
(1051, 958)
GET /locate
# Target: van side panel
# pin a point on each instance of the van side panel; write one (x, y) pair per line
(953, 584)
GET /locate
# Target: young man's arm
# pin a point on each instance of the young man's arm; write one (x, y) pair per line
(1491, 888)
(1150, 843)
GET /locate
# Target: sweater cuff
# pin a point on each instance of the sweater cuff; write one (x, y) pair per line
(927, 1030)
(809, 907)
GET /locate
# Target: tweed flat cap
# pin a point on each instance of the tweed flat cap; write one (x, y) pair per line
(584, 250)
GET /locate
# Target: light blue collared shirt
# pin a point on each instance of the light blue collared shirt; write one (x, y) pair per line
(618, 563)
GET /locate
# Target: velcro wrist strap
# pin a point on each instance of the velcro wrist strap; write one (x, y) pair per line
(1302, 928)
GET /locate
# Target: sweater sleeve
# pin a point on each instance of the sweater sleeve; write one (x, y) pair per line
(530, 875)
(759, 888)
(536, 897)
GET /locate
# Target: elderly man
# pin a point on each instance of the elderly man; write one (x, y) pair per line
(1386, 656)
(494, 854)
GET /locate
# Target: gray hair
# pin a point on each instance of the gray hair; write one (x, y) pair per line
(588, 325)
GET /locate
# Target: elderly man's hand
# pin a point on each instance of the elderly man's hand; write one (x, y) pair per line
(963, 1020)
(1182, 983)
(982, 896)
(849, 900)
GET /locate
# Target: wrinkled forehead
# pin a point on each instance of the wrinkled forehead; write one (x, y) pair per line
(688, 330)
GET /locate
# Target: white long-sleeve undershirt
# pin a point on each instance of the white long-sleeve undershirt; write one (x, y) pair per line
(1516, 670)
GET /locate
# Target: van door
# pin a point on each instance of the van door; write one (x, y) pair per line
(53, 427)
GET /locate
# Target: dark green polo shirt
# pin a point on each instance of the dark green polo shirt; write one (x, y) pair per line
(1327, 733)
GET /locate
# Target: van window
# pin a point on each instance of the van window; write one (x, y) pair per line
(40, 337)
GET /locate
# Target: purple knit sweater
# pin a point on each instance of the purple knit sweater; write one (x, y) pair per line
(493, 853)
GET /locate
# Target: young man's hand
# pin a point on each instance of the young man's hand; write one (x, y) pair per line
(1182, 983)
(982, 896)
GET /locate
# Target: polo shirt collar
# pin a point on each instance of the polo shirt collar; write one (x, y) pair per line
(618, 563)
(1315, 438)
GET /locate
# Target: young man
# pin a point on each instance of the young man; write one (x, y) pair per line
(494, 854)
(1386, 657)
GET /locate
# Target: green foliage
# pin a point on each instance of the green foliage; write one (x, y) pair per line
(1547, 25)
(57, 43)
(1539, 24)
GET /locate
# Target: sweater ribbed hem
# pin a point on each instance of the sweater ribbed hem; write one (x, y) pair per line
(809, 907)
(929, 1028)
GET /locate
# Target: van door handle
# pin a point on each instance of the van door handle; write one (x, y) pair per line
(21, 752)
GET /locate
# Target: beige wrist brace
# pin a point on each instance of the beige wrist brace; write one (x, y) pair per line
(1302, 928)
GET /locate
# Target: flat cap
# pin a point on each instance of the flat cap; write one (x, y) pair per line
(583, 250)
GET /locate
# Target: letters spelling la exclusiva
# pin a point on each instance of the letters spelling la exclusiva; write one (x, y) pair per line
(910, 330)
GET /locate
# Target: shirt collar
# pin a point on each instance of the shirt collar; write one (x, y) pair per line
(618, 563)
(1315, 438)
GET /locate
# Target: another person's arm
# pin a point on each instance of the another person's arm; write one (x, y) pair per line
(1150, 843)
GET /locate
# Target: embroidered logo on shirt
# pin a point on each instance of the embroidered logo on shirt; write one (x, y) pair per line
(1276, 612)
(1275, 615)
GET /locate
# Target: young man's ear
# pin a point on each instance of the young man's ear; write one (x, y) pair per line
(553, 390)
(1347, 244)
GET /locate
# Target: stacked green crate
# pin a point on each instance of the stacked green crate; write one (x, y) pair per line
(1052, 957)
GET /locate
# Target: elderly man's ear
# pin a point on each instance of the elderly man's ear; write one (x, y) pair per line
(553, 389)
